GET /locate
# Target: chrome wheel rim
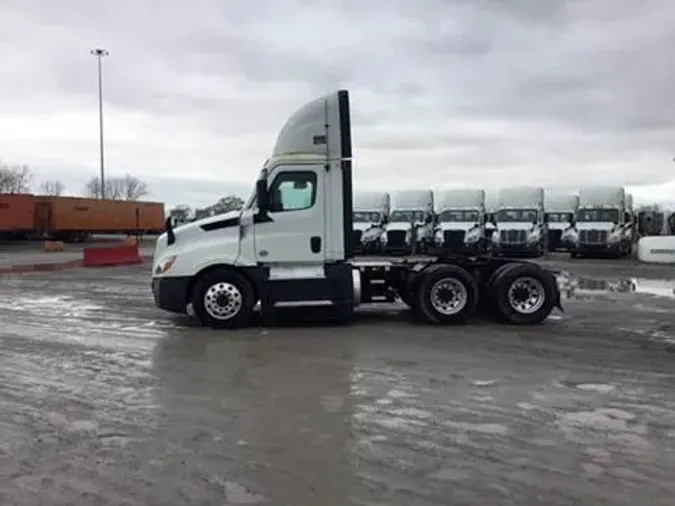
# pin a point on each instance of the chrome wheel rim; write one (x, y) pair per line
(449, 296)
(223, 301)
(526, 295)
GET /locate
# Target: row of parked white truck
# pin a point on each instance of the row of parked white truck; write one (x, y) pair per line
(524, 221)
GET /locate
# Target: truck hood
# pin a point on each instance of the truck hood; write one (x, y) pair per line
(595, 225)
(516, 225)
(219, 232)
(458, 225)
(399, 225)
(362, 226)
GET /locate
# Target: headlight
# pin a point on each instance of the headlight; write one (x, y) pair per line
(408, 236)
(439, 236)
(383, 238)
(614, 237)
(165, 265)
(473, 235)
(534, 236)
(370, 234)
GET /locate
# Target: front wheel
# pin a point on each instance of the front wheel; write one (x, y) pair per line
(223, 299)
(524, 294)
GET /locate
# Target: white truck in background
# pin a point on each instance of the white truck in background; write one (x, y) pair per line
(603, 224)
(560, 209)
(371, 214)
(521, 222)
(460, 220)
(411, 222)
(491, 207)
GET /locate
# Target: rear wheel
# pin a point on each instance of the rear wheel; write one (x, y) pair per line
(524, 293)
(446, 294)
(223, 299)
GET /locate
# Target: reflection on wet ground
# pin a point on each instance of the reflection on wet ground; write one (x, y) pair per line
(571, 286)
(104, 400)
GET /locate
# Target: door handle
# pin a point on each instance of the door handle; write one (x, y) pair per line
(315, 244)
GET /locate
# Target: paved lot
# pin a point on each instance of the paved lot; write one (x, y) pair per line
(106, 401)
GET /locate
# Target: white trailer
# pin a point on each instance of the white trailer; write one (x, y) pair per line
(291, 247)
(603, 224)
(460, 218)
(521, 221)
(411, 222)
(371, 214)
(559, 208)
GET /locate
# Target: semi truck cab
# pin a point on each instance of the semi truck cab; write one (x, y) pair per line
(560, 209)
(603, 223)
(521, 221)
(460, 216)
(291, 246)
(411, 223)
(371, 214)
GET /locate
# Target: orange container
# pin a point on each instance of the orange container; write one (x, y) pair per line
(75, 214)
(17, 212)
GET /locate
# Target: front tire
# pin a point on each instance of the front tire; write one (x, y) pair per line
(446, 294)
(524, 294)
(223, 299)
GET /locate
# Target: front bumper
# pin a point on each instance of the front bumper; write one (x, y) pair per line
(171, 294)
(524, 247)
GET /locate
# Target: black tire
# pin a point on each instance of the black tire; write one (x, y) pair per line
(232, 283)
(530, 276)
(431, 282)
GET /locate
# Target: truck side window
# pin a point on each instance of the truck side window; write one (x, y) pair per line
(293, 191)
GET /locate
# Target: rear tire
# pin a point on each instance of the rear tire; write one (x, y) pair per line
(223, 299)
(446, 294)
(524, 294)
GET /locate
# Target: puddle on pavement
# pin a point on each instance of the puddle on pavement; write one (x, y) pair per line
(571, 285)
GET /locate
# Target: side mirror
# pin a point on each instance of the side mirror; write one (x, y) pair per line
(262, 196)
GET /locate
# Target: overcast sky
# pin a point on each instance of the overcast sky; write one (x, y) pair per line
(446, 92)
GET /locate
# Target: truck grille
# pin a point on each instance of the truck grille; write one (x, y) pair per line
(453, 238)
(554, 239)
(396, 238)
(593, 236)
(513, 236)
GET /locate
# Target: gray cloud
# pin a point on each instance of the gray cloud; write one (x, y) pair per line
(462, 91)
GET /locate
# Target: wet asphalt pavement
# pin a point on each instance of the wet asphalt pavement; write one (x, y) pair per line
(106, 401)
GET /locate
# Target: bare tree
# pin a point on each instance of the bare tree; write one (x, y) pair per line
(227, 204)
(180, 213)
(15, 178)
(118, 188)
(52, 187)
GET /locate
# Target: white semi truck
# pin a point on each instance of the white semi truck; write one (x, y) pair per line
(603, 224)
(291, 247)
(460, 217)
(521, 221)
(560, 208)
(371, 214)
(411, 222)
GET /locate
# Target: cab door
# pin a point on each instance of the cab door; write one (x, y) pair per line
(294, 232)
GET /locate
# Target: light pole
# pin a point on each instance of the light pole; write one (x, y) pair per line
(99, 54)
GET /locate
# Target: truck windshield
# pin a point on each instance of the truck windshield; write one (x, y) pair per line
(558, 217)
(595, 215)
(366, 217)
(407, 216)
(458, 215)
(517, 215)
